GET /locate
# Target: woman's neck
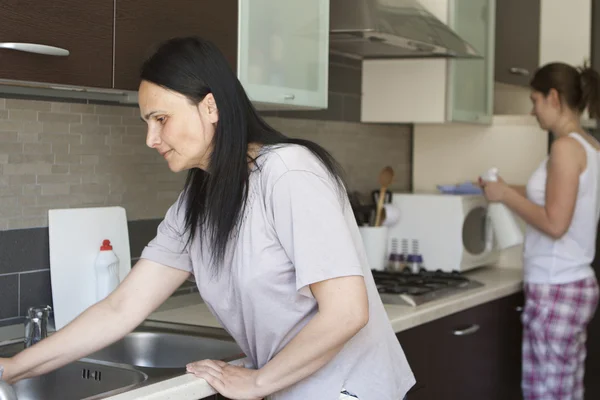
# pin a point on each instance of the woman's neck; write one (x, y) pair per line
(566, 126)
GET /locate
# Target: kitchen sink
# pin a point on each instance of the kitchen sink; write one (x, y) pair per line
(80, 380)
(160, 349)
(155, 351)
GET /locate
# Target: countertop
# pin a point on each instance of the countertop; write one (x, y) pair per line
(498, 282)
(189, 309)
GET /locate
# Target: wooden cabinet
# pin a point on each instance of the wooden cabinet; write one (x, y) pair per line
(141, 25)
(279, 50)
(437, 90)
(473, 354)
(281, 57)
(84, 28)
(595, 50)
(517, 41)
(526, 36)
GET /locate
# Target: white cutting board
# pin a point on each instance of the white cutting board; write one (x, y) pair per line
(76, 235)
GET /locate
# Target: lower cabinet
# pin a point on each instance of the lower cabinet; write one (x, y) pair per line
(473, 354)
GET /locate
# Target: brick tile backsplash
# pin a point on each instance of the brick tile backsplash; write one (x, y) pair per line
(57, 154)
(61, 155)
(49, 153)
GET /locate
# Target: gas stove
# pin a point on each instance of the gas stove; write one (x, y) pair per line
(414, 289)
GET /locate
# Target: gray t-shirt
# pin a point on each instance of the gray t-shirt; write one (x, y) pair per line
(296, 230)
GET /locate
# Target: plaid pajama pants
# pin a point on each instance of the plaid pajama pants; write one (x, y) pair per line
(555, 319)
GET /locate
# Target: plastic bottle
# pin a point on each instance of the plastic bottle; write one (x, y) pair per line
(107, 270)
(506, 230)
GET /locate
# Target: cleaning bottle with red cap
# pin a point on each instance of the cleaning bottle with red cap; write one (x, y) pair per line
(107, 270)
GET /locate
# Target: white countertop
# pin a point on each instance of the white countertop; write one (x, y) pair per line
(498, 282)
(188, 309)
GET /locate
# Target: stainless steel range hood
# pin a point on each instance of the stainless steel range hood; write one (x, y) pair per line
(392, 29)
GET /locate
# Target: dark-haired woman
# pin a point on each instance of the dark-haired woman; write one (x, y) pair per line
(265, 228)
(561, 206)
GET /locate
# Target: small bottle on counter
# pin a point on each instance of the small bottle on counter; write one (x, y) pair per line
(107, 271)
(415, 259)
(395, 261)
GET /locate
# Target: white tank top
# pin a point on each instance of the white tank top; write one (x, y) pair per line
(567, 259)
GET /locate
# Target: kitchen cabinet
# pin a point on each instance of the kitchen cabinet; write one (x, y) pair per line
(527, 36)
(84, 28)
(437, 90)
(517, 52)
(472, 354)
(284, 51)
(595, 50)
(140, 26)
(278, 49)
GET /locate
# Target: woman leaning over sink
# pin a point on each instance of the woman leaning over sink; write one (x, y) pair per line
(560, 205)
(265, 228)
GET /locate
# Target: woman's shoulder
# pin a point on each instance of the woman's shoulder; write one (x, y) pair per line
(280, 159)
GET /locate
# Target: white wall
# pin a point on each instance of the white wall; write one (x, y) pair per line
(454, 153)
(565, 31)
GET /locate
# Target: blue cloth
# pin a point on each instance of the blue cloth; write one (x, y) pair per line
(461, 188)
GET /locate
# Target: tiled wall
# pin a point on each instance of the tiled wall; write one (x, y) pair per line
(60, 155)
(55, 155)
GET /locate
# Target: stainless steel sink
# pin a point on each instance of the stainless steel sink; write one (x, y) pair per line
(165, 350)
(80, 380)
(155, 351)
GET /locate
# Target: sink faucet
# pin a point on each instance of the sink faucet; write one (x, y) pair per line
(36, 324)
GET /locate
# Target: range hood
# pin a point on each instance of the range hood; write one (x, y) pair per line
(392, 29)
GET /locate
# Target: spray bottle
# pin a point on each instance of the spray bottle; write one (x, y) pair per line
(505, 228)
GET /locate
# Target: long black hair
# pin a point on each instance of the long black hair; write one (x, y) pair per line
(214, 199)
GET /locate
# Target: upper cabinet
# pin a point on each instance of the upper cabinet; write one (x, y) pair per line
(284, 51)
(471, 86)
(532, 33)
(141, 25)
(517, 40)
(67, 42)
(279, 49)
(437, 90)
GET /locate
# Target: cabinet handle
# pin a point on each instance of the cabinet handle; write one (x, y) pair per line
(519, 71)
(467, 331)
(519, 308)
(289, 96)
(35, 48)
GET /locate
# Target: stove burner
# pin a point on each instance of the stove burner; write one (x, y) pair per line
(406, 287)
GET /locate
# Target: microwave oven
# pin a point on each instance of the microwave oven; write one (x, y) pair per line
(450, 232)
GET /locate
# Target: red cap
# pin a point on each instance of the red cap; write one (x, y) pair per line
(106, 245)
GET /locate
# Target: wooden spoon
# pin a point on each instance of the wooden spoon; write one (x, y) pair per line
(386, 176)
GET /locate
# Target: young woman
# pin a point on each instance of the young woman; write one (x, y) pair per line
(265, 228)
(561, 205)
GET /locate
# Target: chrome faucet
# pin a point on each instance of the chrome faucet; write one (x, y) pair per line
(36, 324)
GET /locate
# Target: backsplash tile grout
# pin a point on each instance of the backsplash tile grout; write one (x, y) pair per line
(65, 154)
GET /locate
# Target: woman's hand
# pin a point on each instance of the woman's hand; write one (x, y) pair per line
(231, 381)
(494, 191)
(6, 364)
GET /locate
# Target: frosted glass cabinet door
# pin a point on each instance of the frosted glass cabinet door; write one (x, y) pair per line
(472, 80)
(284, 48)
